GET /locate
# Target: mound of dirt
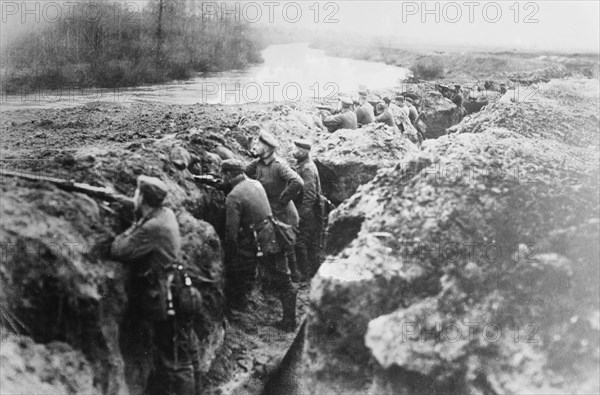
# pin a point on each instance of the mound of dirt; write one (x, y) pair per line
(468, 267)
(560, 110)
(54, 368)
(350, 158)
(57, 284)
(440, 114)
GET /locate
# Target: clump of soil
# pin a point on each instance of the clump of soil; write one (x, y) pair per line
(43, 369)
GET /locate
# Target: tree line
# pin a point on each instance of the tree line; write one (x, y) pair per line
(110, 44)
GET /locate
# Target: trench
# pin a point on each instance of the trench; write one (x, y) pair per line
(286, 376)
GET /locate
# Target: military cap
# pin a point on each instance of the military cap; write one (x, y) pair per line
(362, 93)
(153, 189)
(387, 100)
(399, 97)
(302, 143)
(380, 106)
(232, 166)
(346, 100)
(408, 99)
(457, 86)
(268, 139)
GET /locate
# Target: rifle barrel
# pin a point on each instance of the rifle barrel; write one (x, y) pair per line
(104, 193)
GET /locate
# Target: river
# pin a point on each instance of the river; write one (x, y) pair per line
(290, 72)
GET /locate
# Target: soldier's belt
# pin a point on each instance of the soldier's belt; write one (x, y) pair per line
(255, 226)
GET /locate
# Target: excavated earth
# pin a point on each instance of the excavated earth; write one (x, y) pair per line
(471, 266)
(62, 299)
(494, 224)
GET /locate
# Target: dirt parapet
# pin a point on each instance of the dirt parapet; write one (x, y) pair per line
(55, 279)
(562, 110)
(350, 158)
(440, 114)
(494, 230)
(54, 368)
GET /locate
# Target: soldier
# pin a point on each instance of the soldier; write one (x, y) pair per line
(399, 108)
(364, 113)
(249, 243)
(307, 247)
(281, 183)
(458, 99)
(345, 119)
(149, 248)
(246, 206)
(413, 114)
(385, 114)
(503, 89)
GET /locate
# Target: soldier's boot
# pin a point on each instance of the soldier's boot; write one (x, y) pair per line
(288, 323)
(303, 264)
(290, 254)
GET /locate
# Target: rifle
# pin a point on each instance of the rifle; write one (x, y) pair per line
(103, 193)
(210, 180)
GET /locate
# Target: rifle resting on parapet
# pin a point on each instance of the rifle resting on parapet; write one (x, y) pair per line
(102, 193)
(208, 179)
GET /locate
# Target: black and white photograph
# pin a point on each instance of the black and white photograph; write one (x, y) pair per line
(311, 197)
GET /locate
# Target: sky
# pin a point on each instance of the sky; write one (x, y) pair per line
(571, 26)
(544, 25)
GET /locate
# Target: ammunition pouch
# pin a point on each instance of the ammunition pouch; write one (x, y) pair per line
(264, 238)
(186, 298)
(284, 233)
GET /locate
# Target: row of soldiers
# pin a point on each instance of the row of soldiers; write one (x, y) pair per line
(353, 115)
(263, 195)
(268, 188)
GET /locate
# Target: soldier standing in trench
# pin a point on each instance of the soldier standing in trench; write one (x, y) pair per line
(250, 243)
(307, 247)
(458, 100)
(149, 336)
(282, 184)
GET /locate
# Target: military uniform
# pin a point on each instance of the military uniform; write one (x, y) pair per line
(247, 205)
(413, 114)
(281, 184)
(387, 117)
(309, 240)
(346, 119)
(149, 248)
(458, 99)
(365, 114)
(248, 210)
